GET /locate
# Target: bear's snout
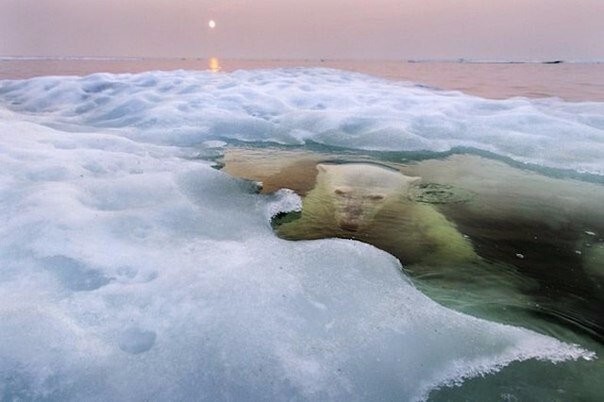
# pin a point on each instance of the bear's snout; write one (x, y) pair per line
(351, 217)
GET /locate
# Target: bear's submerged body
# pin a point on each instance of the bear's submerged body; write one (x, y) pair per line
(474, 234)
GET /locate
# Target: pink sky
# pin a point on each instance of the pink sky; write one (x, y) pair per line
(360, 29)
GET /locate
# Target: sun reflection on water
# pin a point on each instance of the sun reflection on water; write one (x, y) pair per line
(214, 65)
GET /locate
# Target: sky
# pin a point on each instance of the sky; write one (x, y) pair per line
(311, 29)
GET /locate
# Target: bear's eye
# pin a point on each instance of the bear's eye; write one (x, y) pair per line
(339, 192)
(375, 197)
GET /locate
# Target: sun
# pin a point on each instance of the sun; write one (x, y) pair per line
(212, 24)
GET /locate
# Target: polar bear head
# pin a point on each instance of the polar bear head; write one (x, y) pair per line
(360, 190)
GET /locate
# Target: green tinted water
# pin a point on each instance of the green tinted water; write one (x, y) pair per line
(535, 245)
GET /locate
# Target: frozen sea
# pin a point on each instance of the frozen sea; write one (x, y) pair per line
(133, 268)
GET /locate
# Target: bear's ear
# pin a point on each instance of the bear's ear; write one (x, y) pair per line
(321, 167)
(413, 179)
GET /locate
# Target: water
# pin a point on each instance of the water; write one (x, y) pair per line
(137, 268)
(537, 263)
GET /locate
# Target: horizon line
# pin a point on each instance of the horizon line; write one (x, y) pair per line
(459, 60)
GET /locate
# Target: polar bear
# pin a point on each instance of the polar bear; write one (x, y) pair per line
(371, 203)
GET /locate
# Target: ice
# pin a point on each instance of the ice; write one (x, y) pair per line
(131, 271)
(294, 106)
(73, 275)
(135, 340)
